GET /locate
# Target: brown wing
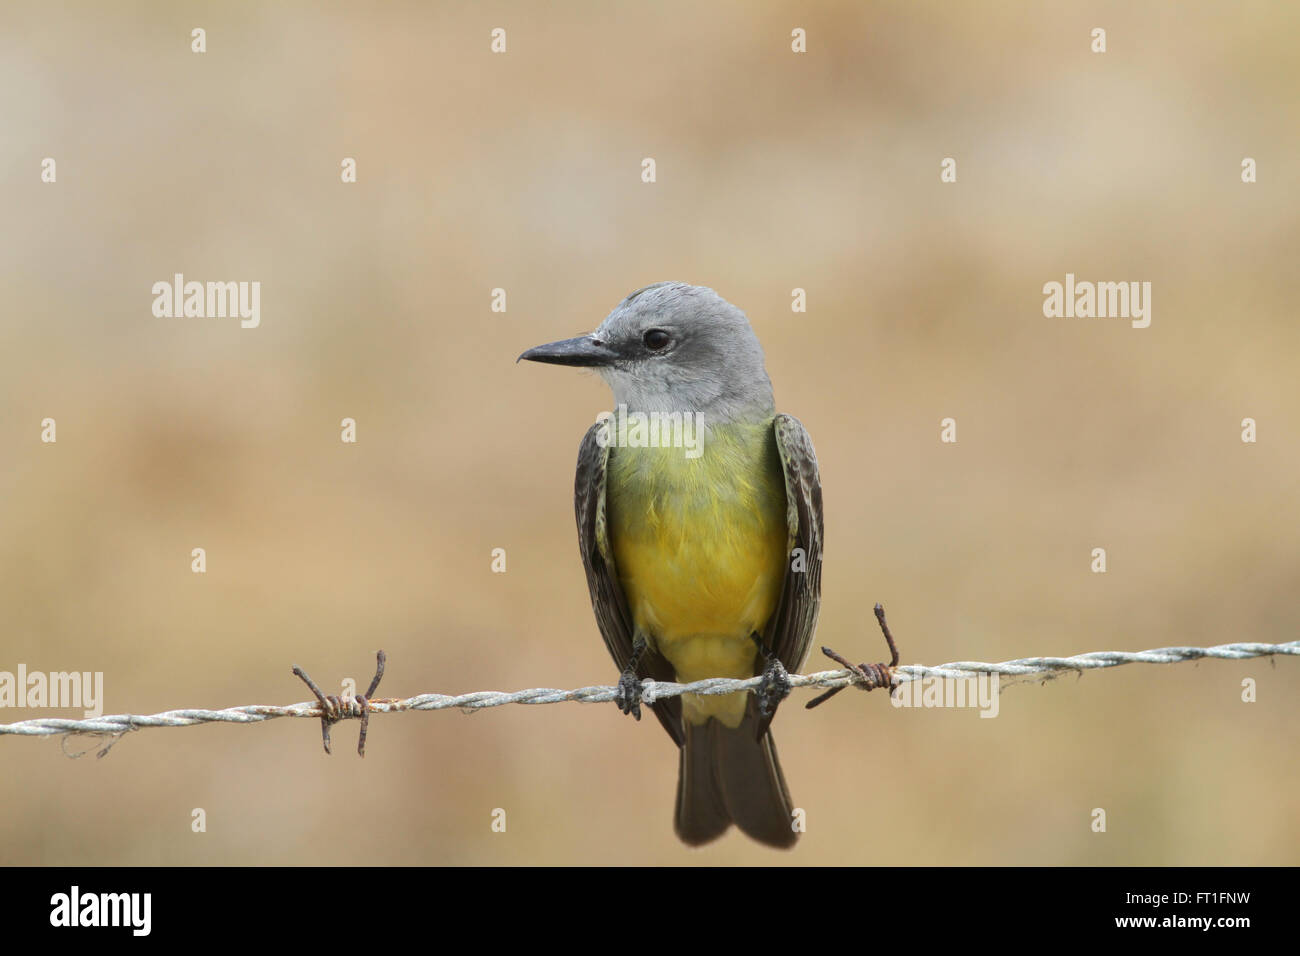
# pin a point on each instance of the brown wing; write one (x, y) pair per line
(607, 599)
(790, 631)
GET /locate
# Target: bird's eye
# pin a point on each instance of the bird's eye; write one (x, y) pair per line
(656, 339)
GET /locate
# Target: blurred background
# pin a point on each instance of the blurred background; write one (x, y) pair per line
(522, 171)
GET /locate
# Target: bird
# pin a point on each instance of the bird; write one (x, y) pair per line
(701, 560)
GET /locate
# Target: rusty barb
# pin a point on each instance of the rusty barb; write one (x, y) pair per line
(866, 676)
(334, 707)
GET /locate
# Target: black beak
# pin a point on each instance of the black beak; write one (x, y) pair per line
(584, 351)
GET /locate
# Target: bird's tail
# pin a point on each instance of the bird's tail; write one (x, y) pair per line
(732, 776)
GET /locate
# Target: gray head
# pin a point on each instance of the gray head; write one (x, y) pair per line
(674, 347)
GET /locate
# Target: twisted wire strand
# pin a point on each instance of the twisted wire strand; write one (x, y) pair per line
(651, 690)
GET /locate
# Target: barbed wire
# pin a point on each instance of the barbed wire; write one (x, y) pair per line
(332, 709)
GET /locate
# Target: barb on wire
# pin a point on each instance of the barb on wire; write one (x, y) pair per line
(869, 676)
(335, 708)
(331, 709)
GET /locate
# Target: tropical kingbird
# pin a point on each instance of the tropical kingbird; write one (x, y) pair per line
(699, 565)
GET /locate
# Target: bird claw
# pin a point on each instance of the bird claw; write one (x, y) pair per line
(628, 693)
(773, 688)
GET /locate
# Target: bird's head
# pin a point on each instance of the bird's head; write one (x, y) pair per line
(673, 347)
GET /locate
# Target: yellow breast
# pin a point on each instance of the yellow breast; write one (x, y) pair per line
(700, 546)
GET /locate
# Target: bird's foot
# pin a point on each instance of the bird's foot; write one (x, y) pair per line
(628, 694)
(773, 688)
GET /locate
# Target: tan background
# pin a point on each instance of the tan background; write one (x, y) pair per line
(522, 171)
